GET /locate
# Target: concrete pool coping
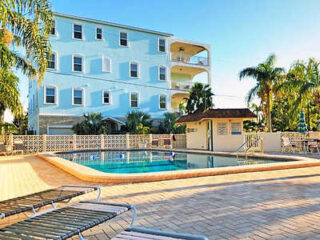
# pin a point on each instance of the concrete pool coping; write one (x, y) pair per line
(92, 175)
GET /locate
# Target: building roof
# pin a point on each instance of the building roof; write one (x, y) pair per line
(218, 113)
(112, 24)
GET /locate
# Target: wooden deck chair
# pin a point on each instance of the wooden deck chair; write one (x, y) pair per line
(35, 201)
(148, 234)
(65, 222)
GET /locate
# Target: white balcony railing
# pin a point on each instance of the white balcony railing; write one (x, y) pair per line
(188, 59)
(179, 85)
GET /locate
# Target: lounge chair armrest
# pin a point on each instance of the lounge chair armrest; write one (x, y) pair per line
(167, 234)
(129, 206)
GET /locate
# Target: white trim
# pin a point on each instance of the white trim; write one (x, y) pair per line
(165, 69)
(138, 69)
(103, 91)
(165, 45)
(83, 63)
(56, 62)
(82, 31)
(55, 29)
(102, 38)
(55, 95)
(102, 61)
(138, 98)
(163, 95)
(83, 96)
(128, 43)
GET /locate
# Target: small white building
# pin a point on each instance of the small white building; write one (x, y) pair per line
(216, 129)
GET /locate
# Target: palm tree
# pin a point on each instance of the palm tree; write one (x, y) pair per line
(91, 125)
(304, 81)
(136, 118)
(9, 93)
(168, 124)
(29, 23)
(200, 98)
(267, 77)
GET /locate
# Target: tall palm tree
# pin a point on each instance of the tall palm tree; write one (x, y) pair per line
(304, 81)
(9, 93)
(267, 76)
(200, 98)
(29, 23)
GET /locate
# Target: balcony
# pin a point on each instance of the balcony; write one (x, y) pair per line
(179, 85)
(189, 59)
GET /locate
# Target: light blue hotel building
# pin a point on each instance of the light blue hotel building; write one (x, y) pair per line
(98, 66)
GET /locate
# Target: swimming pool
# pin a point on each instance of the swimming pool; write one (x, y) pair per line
(138, 161)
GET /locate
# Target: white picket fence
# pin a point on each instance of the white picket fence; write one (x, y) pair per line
(52, 143)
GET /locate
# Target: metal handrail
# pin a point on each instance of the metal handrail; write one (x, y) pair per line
(258, 139)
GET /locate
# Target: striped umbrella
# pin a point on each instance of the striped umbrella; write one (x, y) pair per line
(302, 126)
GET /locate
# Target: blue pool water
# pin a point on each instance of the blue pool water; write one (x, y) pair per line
(154, 161)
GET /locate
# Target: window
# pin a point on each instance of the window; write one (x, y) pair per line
(106, 64)
(77, 31)
(77, 97)
(50, 95)
(53, 29)
(99, 34)
(134, 100)
(124, 39)
(51, 59)
(222, 129)
(162, 73)
(162, 45)
(236, 129)
(162, 102)
(134, 70)
(106, 97)
(77, 64)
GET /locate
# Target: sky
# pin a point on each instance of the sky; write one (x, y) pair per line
(242, 33)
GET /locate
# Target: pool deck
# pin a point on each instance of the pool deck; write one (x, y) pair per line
(281, 204)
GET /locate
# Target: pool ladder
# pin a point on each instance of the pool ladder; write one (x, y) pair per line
(256, 145)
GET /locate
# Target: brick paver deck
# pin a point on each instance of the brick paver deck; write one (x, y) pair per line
(280, 204)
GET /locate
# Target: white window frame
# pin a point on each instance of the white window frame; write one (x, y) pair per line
(83, 96)
(138, 69)
(138, 98)
(102, 61)
(103, 91)
(128, 43)
(165, 96)
(55, 62)
(55, 29)
(82, 28)
(240, 128)
(83, 63)
(55, 96)
(101, 34)
(165, 45)
(165, 69)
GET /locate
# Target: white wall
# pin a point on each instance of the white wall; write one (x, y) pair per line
(271, 141)
(229, 142)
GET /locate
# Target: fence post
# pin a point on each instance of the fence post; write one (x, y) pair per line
(127, 140)
(11, 141)
(74, 142)
(44, 143)
(171, 140)
(150, 139)
(101, 141)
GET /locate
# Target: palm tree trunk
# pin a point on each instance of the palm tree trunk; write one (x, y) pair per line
(308, 115)
(269, 123)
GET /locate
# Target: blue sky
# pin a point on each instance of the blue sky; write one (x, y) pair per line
(241, 33)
